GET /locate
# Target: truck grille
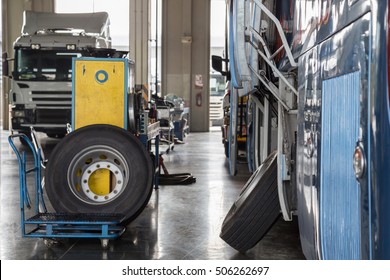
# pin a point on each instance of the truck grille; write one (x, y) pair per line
(52, 98)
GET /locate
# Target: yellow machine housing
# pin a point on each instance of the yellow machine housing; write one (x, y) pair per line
(100, 92)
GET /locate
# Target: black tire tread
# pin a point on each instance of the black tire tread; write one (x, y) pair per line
(244, 226)
(63, 201)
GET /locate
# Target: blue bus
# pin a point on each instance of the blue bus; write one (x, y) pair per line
(316, 77)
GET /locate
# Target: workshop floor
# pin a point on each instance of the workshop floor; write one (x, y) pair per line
(181, 222)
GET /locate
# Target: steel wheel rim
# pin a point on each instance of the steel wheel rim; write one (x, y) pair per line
(90, 160)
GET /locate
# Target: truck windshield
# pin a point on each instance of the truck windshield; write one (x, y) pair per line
(44, 65)
(217, 85)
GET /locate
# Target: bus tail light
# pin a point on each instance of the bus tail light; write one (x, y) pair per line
(359, 162)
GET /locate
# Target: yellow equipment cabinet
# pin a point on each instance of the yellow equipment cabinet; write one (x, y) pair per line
(99, 92)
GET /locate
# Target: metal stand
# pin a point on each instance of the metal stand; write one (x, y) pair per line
(103, 226)
(149, 133)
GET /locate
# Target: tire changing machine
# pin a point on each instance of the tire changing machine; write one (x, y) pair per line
(97, 100)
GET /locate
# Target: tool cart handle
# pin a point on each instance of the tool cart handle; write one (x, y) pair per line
(24, 196)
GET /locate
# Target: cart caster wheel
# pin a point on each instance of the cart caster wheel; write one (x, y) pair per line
(50, 242)
(104, 243)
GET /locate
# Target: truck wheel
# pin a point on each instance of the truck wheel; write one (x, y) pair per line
(100, 152)
(255, 210)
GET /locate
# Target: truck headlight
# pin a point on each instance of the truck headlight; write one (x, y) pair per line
(18, 114)
(35, 46)
(71, 47)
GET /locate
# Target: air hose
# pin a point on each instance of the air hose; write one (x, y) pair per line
(173, 179)
(176, 179)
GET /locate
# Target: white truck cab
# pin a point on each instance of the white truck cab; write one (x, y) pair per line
(41, 88)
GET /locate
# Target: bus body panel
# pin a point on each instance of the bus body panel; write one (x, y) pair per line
(317, 20)
(345, 60)
(307, 171)
(343, 54)
(336, 198)
(361, 46)
(340, 229)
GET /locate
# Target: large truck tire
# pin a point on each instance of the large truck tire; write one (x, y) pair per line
(80, 156)
(255, 210)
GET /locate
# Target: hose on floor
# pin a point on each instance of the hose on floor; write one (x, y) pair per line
(176, 179)
(172, 179)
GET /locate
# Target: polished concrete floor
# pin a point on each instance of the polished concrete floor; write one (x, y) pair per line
(181, 222)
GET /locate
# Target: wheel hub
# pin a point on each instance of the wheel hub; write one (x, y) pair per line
(98, 174)
(116, 184)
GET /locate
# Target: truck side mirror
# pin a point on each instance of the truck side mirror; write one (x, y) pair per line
(216, 64)
(5, 67)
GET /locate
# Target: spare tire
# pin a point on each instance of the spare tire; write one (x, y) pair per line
(100, 152)
(255, 210)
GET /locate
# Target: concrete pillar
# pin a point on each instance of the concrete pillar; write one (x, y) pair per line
(200, 65)
(186, 56)
(139, 34)
(12, 21)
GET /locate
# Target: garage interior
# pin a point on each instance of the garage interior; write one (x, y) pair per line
(180, 222)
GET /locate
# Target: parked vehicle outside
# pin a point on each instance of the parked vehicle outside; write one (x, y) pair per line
(217, 91)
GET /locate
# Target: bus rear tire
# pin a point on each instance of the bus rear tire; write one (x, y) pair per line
(255, 210)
